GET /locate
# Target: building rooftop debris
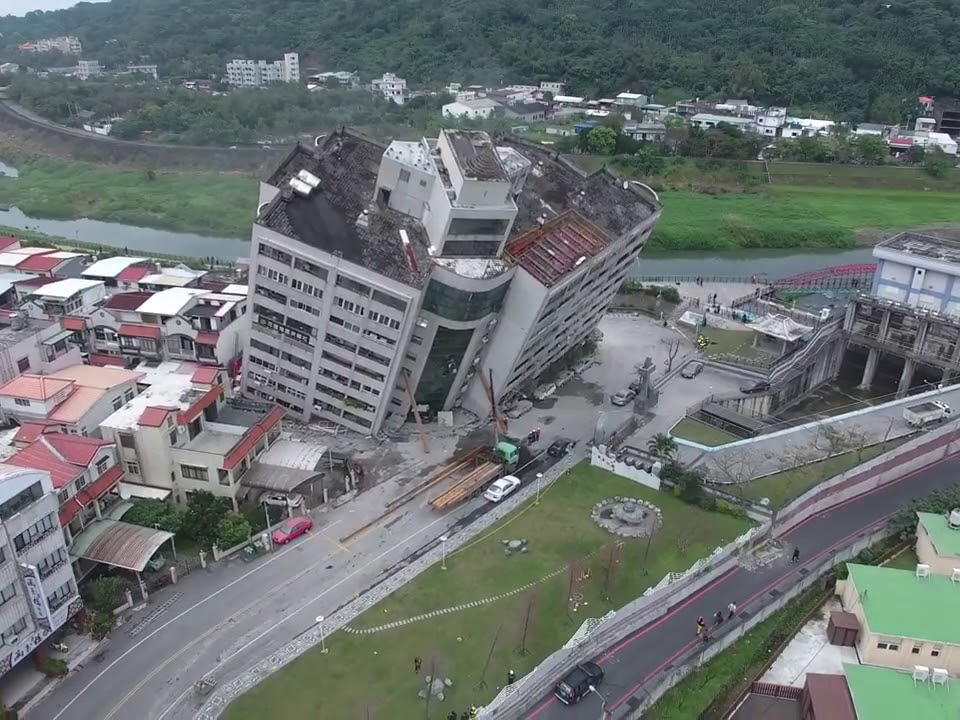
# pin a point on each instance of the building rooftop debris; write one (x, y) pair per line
(557, 248)
(945, 539)
(340, 215)
(885, 592)
(881, 693)
(476, 268)
(473, 151)
(928, 246)
(10, 335)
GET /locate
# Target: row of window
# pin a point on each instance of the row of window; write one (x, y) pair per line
(39, 529)
(287, 259)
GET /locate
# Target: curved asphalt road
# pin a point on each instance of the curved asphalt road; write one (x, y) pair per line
(635, 660)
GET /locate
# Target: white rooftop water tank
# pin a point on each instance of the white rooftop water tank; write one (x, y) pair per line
(954, 519)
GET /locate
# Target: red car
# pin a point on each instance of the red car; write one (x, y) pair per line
(292, 528)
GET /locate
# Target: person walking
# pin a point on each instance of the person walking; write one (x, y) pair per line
(511, 677)
(701, 626)
(796, 555)
(417, 663)
(731, 610)
(718, 617)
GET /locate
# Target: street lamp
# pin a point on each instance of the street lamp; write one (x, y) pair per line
(603, 702)
(539, 480)
(443, 552)
(323, 643)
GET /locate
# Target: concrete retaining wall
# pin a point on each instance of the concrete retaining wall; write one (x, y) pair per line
(602, 458)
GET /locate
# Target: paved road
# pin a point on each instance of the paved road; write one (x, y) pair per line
(637, 659)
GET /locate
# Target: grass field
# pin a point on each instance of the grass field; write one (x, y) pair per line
(782, 487)
(699, 432)
(734, 342)
(906, 560)
(793, 217)
(374, 672)
(205, 203)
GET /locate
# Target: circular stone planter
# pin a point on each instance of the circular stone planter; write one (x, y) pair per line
(627, 517)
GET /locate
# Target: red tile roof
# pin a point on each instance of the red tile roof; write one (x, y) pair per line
(139, 331)
(90, 493)
(32, 429)
(75, 449)
(74, 323)
(155, 416)
(39, 456)
(205, 400)
(207, 337)
(252, 437)
(40, 263)
(205, 375)
(127, 301)
(34, 387)
(133, 273)
(102, 360)
(7, 240)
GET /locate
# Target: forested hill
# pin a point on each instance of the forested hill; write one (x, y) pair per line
(859, 59)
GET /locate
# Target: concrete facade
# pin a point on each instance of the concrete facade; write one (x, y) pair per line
(37, 585)
(254, 73)
(461, 283)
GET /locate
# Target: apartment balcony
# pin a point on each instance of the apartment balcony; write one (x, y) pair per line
(59, 602)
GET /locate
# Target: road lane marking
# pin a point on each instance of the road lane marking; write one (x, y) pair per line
(190, 609)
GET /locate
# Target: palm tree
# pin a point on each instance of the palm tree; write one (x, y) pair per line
(663, 446)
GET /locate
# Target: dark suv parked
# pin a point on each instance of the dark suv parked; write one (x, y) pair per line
(576, 683)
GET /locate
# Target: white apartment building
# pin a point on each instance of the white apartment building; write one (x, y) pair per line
(254, 73)
(552, 87)
(475, 109)
(38, 590)
(428, 252)
(88, 68)
(392, 88)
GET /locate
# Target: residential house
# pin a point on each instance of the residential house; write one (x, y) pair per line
(68, 45)
(902, 140)
(568, 100)
(33, 346)
(526, 112)
(119, 272)
(85, 475)
(255, 73)
(653, 132)
(874, 129)
(339, 78)
(37, 586)
(182, 434)
(552, 87)
(150, 70)
(391, 87)
(938, 542)
(87, 69)
(75, 399)
(769, 121)
(626, 100)
(705, 121)
(42, 261)
(62, 298)
(476, 109)
(905, 619)
(179, 276)
(181, 323)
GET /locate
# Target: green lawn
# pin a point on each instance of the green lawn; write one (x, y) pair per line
(374, 672)
(734, 342)
(700, 432)
(794, 216)
(782, 487)
(207, 203)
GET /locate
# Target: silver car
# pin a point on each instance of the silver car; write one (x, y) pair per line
(623, 397)
(692, 370)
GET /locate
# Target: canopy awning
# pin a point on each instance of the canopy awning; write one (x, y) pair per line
(118, 544)
(276, 477)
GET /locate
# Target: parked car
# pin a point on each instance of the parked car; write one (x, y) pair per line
(692, 370)
(576, 684)
(544, 391)
(757, 387)
(499, 489)
(559, 448)
(623, 397)
(292, 528)
(281, 500)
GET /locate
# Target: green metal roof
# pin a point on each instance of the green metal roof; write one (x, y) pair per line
(946, 540)
(898, 604)
(883, 694)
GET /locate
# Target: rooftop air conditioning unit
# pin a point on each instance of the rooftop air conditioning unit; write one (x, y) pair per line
(954, 520)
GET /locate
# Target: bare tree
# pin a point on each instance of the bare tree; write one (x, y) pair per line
(486, 665)
(673, 347)
(611, 566)
(529, 621)
(734, 468)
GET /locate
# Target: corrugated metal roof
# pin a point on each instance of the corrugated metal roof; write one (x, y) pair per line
(118, 544)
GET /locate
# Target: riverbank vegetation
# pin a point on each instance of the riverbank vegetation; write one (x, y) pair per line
(795, 217)
(204, 203)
